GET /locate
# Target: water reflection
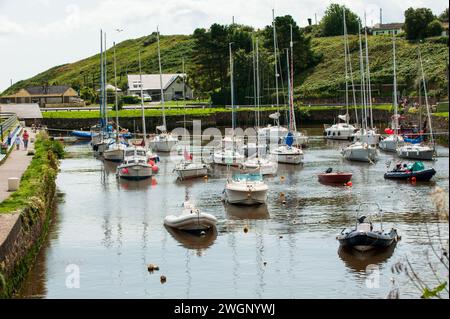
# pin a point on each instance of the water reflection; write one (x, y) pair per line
(247, 212)
(358, 261)
(192, 240)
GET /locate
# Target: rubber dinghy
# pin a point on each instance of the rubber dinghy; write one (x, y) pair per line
(191, 219)
(364, 237)
(408, 171)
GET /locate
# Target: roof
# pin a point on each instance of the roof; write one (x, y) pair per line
(46, 90)
(152, 81)
(388, 26)
(23, 111)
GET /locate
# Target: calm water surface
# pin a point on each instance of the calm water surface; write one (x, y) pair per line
(113, 229)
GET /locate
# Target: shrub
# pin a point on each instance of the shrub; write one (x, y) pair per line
(131, 99)
(434, 28)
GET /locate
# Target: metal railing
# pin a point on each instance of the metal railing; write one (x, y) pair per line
(7, 121)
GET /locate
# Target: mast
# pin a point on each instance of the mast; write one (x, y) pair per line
(289, 91)
(101, 82)
(254, 80)
(363, 86)
(426, 98)
(369, 88)
(233, 120)
(346, 72)
(184, 92)
(347, 47)
(275, 64)
(115, 89)
(395, 90)
(291, 86)
(160, 81)
(144, 131)
(104, 87)
(258, 93)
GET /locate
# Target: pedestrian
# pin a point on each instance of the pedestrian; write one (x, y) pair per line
(9, 139)
(25, 137)
(17, 141)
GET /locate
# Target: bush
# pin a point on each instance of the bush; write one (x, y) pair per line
(131, 99)
(434, 28)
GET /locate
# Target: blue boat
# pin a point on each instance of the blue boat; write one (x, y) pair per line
(81, 134)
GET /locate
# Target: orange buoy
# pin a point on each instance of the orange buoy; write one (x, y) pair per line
(155, 168)
(413, 179)
(349, 183)
(151, 162)
(205, 177)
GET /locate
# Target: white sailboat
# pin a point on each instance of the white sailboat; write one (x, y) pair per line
(343, 130)
(393, 141)
(245, 188)
(420, 151)
(228, 154)
(164, 141)
(138, 162)
(267, 165)
(116, 149)
(363, 149)
(287, 153)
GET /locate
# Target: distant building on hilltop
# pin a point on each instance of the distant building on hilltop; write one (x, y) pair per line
(43, 95)
(387, 29)
(172, 86)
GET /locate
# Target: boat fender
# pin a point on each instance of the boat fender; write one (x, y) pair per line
(155, 168)
(349, 183)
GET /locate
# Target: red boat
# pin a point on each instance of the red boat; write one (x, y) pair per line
(331, 178)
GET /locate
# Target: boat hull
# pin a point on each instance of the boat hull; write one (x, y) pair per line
(426, 155)
(364, 241)
(163, 145)
(362, 154)
(135, 172)
(191, 222)
(186, 173)
(114, 155)
(423, 176)
(389, 145)
(335, 177)
(242, 197)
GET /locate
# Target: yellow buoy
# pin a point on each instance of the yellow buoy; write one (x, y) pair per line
(245, 229)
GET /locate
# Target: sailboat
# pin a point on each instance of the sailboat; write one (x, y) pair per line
(286, 153)
(420, 151)
(138, 162)
(369, 134)
(116, 149)
(342, 130)
(267, 165)
(393, 141)
(164, 141)
(245, 188)
(363, 149)
(229, 155)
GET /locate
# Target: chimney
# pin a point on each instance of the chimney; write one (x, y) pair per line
(309, 21)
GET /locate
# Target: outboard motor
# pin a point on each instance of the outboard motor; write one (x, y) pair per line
(329, 170)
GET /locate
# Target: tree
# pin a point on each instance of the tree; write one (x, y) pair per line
(332, 22)
(416, 23)
(304, 58)
(444, 15)
(87, 94)
(434, 28)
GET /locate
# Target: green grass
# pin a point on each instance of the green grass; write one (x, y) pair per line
(441, 114)
(32, 180)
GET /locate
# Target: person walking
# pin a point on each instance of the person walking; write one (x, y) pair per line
(17, 142)
(9, 139)
(25, 138)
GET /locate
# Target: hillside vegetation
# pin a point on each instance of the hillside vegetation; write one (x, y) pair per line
(324, 80)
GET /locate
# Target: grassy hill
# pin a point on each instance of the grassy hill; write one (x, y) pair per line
(325, 80)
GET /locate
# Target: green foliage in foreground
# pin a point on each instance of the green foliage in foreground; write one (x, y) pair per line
(42, 169)
(441, 114)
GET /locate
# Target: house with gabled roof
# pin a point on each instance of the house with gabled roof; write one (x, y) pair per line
(172, 86)
(43, 95)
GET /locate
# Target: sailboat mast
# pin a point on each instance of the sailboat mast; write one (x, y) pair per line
(395, 89)
(254, 80)
(291, 86)
(289, 90)
(101, 81)
(115, 92)
(347, 47)
(258, 93)
(160, 81)
(104, 87)
(275, 64)
(184, 92)
(363, 86)
(346, 72)
(426, 98)
(369, 88)
(233, 121)
(144, 131)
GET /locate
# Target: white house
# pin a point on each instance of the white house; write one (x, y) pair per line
(172, 86)
(387, 29)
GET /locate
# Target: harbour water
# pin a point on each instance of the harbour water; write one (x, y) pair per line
(108, 231)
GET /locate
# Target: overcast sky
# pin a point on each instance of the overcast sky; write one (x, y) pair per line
(38, 34)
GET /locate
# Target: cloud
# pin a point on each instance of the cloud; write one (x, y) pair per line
(8, 27)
